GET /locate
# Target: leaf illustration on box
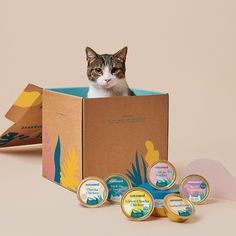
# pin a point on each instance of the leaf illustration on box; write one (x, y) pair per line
(135, 175)
(57, 157)
(152, 155)
(6, 138)
(70, 170)
(48, 160)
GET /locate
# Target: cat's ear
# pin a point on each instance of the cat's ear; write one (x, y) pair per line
(90, 53)
(121, 54)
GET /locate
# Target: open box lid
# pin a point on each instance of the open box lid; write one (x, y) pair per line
(26, 113)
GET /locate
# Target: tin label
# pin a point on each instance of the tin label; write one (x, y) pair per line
(92, 192)
(161, 175)
(117, 186)
(195, 189)
(180, 207)
(137, 204)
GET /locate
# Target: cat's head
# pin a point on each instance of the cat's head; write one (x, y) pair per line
(106, 70)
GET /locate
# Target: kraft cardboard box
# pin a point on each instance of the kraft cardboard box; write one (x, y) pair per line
(99, 136)
(96, 136)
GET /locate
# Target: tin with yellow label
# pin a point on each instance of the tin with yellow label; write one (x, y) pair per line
(117, 185)
(161, 175)
(196, 188)
(177, 208)
(92, 192)
(137, 204)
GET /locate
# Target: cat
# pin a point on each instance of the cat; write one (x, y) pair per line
(106, 73)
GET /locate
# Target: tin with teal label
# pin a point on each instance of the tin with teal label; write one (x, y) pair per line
(117, 185)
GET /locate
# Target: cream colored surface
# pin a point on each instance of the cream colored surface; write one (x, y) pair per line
(186, 48)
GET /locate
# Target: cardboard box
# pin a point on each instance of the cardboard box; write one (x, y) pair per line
(100, 136)
(96, 136)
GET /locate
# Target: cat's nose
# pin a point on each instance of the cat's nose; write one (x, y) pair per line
(107, 80)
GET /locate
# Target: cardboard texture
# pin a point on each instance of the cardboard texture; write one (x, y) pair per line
(99, 136)
(90, 137)
(26, 113)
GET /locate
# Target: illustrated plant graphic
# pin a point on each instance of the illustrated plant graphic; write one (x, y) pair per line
(70, 170)
(137, 176)
(57, 157)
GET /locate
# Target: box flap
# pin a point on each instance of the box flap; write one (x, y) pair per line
(26, 113)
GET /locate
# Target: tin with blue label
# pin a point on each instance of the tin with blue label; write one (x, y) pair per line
(117, 185)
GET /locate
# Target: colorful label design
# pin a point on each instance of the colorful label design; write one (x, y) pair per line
(180, 207)
(161, 175)
(195, 189)
(138, 204)
(92, 192)
(117, 186)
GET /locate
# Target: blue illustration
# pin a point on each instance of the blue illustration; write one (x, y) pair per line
(135, 175)
(57, 156)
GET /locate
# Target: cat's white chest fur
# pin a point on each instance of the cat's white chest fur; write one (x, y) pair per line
(95, 92)
(120, 89)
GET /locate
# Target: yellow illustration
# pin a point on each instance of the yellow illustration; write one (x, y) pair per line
(29, 99)
(70, 170)
(152, 155)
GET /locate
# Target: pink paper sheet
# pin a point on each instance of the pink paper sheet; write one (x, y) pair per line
(222, 183)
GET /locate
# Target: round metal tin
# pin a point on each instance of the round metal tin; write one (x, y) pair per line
(137, 204)
(161, 175)
(195, 188)
(92, 192)
(178, 208)
(117, 185)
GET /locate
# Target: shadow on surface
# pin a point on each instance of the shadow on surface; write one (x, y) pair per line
(31, 151)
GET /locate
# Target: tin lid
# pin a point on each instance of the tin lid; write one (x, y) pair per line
(178, 208)
(117, 185)
(195, 188)
(92, 192)
(137, 204)
(161, 174)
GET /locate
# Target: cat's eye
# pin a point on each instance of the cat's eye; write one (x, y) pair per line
(98, 70)
(114, 70)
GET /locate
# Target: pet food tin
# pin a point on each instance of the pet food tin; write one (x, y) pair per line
(117, 185)
(161, 175)
(92, 192)
(195, 188)
(177, 208)
(137, 204)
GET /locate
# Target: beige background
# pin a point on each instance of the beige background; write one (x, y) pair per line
(186, 48)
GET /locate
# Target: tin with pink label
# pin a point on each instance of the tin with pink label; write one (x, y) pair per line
(161, 175)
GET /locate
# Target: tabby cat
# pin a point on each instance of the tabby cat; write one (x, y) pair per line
(106, 73)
